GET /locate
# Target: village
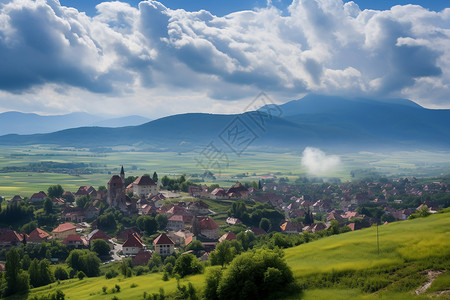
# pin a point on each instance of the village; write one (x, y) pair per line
(287, 208)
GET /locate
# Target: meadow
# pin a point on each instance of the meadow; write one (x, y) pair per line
(406, 250)
(254, 165)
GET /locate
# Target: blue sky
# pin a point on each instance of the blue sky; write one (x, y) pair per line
(119, 58)
(223, 7)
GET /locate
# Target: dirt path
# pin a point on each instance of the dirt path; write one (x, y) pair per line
(431, 277)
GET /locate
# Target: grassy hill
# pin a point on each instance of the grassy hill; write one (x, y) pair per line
(345, 266)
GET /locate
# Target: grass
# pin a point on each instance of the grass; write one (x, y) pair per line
(405, 247)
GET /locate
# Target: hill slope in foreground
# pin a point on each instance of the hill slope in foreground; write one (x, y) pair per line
(345, 266)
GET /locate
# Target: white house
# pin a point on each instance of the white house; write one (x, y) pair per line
(143, 186)
(164, 246)
(132, 245)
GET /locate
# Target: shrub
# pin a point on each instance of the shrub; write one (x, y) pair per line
(81, 275)
(61, 274)
(111, 274)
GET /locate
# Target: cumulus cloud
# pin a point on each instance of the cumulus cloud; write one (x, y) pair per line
(320, 46)
(318, 163)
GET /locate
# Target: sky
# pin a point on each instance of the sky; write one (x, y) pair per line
(160, 58)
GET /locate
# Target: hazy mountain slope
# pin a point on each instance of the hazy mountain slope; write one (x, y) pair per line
(322, 121)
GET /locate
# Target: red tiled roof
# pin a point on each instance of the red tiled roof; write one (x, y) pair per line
(8, 235)
(207, 223)
(163, 239)
(133, 241)
(116, 179)
(64, 227)
(227, 237)
(37, 235)
(142, 258)
(39, 195)
(258, 231)
(144, 180)
(188, 240)
(97, 234)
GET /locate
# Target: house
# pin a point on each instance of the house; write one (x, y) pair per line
(38, 236)
(38, 197)
(258, 231)
(291, 227)
(75, 241)
(63, 231)
(123, 236)
(144, 186)
(141, 258)
(132, 245)
(74, 214)
(175, 223)
(207, 227)
(198, 207)
(9, 238)
(318, 227)
(229, 236)
(58, 201)
(179, 237)
(86, 191)
(218, 193)
(237, 191)
(16, 198)
(97, 234)
(164, 246)
(158, 200)
(355, 226)
(233, 221)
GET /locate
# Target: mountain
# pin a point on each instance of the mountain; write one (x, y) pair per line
(29, 123)
(321, 121)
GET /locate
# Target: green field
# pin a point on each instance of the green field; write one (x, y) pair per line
(255, 164)
(404, 247)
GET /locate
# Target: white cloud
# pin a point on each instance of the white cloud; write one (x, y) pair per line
(318, 163)
(320, 46)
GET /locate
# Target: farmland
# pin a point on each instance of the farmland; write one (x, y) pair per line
(248, 166)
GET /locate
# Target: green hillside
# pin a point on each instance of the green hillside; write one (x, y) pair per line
(345, 266)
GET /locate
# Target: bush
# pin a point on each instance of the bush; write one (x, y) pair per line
(61, 274)
(111, 274)
(187, 264)
(81, 275)
(249, 274)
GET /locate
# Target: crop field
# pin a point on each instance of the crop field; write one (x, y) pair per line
(409, 241)
(254, 165)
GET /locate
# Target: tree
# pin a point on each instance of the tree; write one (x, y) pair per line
(26, 261)
(101, 247)
(46, 275)
(162, 221)
(249, 274)
(84, 260)
(195, 246)
(29, 227)
(12, 268)
(147, 224)
(48, 206)
(33, 270)
(61, 274)
(83, 201)
(223, 254)
(213, 278)
(187, 264)
(155, 261)
(55, 191)
(165, 180)
(155, 177)
(102, 188)
(265, 224)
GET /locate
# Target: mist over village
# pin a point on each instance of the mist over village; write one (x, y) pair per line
(288, 149)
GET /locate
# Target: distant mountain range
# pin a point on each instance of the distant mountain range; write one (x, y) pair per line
(28, 123)
(321, 121)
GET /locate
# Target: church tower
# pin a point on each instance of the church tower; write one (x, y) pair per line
(122, 175)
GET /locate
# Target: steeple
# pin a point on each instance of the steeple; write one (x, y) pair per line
(122, 175)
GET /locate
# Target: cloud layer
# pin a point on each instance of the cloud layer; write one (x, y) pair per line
(320, 46)
(318, 163)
